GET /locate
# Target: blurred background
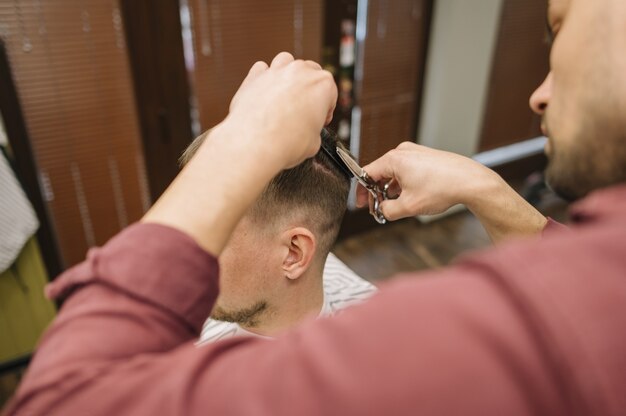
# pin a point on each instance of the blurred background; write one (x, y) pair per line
(98, 98)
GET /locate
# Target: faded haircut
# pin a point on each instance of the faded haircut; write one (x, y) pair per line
(316, 190)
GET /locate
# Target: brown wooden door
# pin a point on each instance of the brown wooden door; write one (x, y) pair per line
(71, 71)
(230, 35)
(521, 62)
(393, 67)
(155, 45)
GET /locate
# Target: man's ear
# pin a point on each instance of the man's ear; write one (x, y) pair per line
(301, 246)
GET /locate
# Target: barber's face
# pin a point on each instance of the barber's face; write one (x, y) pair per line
(583, 99)
(249, 267)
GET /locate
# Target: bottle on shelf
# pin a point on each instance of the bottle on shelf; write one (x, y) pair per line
(345, 79)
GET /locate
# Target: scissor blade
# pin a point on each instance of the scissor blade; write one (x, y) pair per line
(351, 163)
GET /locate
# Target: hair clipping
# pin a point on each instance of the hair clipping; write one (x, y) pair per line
(331, 152)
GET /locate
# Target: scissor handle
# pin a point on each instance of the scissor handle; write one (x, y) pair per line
(376, 212)
(378, 196)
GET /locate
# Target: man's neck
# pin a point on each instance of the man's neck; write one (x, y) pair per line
(299, 299)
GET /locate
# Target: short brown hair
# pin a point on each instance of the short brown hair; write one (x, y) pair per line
(317, 187)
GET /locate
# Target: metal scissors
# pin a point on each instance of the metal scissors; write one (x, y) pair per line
(378, 194)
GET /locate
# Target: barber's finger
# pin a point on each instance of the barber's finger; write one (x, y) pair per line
(332, 95)
(406, 145)
(312, 64)
(394, 209)
(362, 196)
(329, 116)
(393, 189)
(281, 60)
(383, 168)
(255, 71)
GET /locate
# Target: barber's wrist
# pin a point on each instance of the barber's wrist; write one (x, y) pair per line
(252, 142)
(207, 199)
(481, 187)
(502, 211)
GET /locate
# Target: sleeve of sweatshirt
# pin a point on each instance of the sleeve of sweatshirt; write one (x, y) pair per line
(445, 342)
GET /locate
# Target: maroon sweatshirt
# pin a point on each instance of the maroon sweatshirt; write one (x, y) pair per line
(532, 327)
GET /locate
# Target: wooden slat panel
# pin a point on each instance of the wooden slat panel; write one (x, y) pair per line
(392, 76)
(230, 35)
(71, 70)
(384, 125)
(520, 64)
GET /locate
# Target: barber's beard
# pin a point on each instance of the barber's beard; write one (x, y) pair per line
(248, 317)
(575, 172)
(563, 182)
(594, 155)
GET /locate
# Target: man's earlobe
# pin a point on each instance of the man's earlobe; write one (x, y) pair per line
(301, 246)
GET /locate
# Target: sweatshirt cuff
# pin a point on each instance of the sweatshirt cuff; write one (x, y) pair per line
(552, 227)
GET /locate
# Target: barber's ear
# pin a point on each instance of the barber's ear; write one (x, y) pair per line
(301, 246)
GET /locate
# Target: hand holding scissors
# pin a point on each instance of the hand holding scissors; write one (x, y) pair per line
(378, 194)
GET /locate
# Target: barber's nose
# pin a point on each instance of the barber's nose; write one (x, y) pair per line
(540, 98)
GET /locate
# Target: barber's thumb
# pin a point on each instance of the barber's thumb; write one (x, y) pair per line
(394, 209)
(383, 168)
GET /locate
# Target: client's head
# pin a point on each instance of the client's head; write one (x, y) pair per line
(271, 268)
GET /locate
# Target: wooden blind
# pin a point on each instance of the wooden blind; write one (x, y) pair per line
(72, 75)
(520, 64)
(393, 64)
(230, 35)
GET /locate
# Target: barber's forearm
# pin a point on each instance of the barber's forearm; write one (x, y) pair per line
(215, 189)
(502, 211)
(273, 123)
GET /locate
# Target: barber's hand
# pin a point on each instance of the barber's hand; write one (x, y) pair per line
(285, 105)
(274, 123)
(428, 181)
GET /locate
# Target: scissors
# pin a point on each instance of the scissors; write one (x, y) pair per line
(379, 195)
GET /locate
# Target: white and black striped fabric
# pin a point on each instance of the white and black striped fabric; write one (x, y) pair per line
(18, 221)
